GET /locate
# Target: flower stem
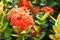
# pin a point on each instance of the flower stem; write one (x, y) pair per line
(23, 38)
(52, 18)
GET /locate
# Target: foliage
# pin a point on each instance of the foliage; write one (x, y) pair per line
(43, 21)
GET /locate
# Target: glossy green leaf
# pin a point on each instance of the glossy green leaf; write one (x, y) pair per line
(45, 15)
(3, 17)
(40, 22)
(42, 2)
(28, 30)
(45, 25)
(58, 23)
(40, 14)
(7, 33)
(18, 38)
(35, 38)
(42, 18)
(15, 35)
(53, 4)
(15, 3)
(5, 26)
(42, 34)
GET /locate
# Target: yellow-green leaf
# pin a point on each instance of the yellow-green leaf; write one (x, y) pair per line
(1, 7)
(58, 18)
(57, 31)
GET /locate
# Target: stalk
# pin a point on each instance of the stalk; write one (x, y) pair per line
(52, 18)
(23, 38)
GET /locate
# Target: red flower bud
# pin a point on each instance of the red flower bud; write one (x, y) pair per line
(34, 33)
(35, 10)
(5, 6)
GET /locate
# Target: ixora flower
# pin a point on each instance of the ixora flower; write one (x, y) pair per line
(35, 10)
(17, 10)
(1, 7)
(25, 3)
(20, 18)
(48, 9)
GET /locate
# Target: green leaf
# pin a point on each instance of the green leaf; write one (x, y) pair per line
(56, 35)
(42, 34)
(7, 33)
(46, 15)
(15, 35)
(40, 22)
(15, 3)
(6, 1)
(28, 30)
(40, 14)
(44, 25)
(52, 21)
(18, 38)
(5, 26)
(42, 2)
(58, 23)
(34, 2)
(42, 18)
(35, 38)
(37, 29)
(9, 38)
(37, 22)
(3, 18)
(53, 4)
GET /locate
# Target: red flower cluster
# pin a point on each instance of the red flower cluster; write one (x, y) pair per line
(48, 9)
(20, 18)
(25, 3)
(35, 10)
(17, 10)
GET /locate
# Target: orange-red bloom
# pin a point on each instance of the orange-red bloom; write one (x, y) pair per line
(25, 3)
(20, 18)
(17, 10)
(48, 9)
(35, 10)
